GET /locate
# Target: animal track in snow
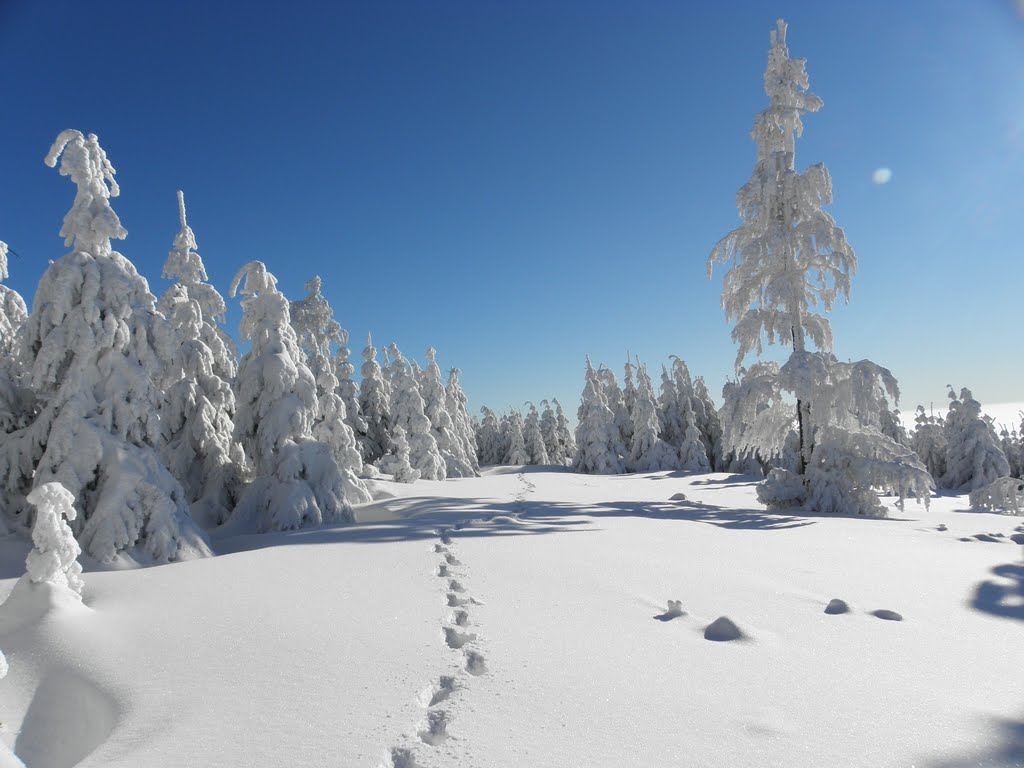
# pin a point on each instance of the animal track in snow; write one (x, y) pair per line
(436, 731)
(476, 664)
(456, 639)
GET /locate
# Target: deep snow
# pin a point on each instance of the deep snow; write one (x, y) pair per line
(523, 619)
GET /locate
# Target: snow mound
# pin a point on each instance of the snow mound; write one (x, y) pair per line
(69, 717)
(723, 629)
(29, 602)
(677, 497)
(885, 613)
(836, 606)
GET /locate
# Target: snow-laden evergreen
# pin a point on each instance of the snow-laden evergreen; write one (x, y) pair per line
(462, 422)
(89, 356)
(649, 452)
(348, 391)
(298, 481)
(198, 406)
(629, 390)
(929, 443)
(490, 446)
(13, 312)
(435, 406)
(374, 405)
(396, 462)
(317, 331)
(549, 434)
(670, 412)
(599, 448)
(17, 403)
(788, 258)
(533, 438)
(407, 412)
(708, 423)
(612, 393)
(1004, 494)
(566, 439)
(693, 455)
(973, 456)
(54, 555)
(517, 453)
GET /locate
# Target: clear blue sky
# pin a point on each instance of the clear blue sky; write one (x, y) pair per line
(520, 184)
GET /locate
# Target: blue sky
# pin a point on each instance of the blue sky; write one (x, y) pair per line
(521, 184)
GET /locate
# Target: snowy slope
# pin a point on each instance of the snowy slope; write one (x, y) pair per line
(530, 608)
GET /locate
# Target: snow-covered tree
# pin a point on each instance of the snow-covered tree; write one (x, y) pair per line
(649, 452)
(396, 463)
(17, 403)
(13, 312)
(54, 555)
(198, 403)
(566, 440)
(628, 388)
(670, 411)
(549, 434)
(490, 449)
(1010, 442)
(435, 406)
(88, 353)
(517, 453)
(929, 443)
(612, 393)
(298, 480)
(456, 401)
(693, 455)
(407, 412)
(788, 256)
(756, 420)
(599, 448)
(374, 404)
(973, 456)
(708, 423)
(348, 391)
(533, 438)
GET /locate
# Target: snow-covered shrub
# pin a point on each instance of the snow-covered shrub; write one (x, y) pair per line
(1005, 494)
(649, 453)
(599, 448)
(54, 555)
(782, 489)
(298, 479)
(88, 350)
(396, 463)
(973, 456)
(198, 403)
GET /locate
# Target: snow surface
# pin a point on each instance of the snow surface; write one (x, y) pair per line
(519, 619)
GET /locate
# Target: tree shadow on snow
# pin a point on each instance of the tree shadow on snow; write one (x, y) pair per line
(1003, 598)
(1007, 751)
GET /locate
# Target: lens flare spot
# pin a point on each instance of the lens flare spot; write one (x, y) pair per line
(881, 175)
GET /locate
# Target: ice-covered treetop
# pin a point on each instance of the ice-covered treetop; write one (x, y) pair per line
(91, 222)
(786, 83)
(3, 261)
(313, 320)
(186, 266)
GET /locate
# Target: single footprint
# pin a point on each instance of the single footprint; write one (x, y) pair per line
(441, 549)
(456, 639)
(445, 688)
(675, 610)
(836, 606)
(454, 601)
(461, 618)
(451, 559)
(442, 571)
(988, 537)
(403, 758)
(436, 731)
(456, 586)
(885, 613)
(476, 664)
(723, 629)
(446, 538)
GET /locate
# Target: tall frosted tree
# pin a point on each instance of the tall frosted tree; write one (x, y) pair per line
(693, 455)
(374, 404)
(489, 443)
(198, 403)
(566, 440)
(787, 259)
(670, 411)
(613, 394)
(973, 456)
(13, 312)
(628, 388)
(533, 438)
(517, 453)
(88, 353)
(788, 256)
(929, 443)
(549, 434)
(298, 481)
(16, 402)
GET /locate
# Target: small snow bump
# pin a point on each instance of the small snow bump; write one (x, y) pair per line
(723, 629)
(885, 613)
(836, 606)
(677, 497)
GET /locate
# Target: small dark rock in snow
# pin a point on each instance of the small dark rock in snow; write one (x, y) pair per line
(677, 497)
(885, 613)
(835, 606)
(722, 630)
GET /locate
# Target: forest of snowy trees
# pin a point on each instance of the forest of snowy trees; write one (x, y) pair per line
(156, 431)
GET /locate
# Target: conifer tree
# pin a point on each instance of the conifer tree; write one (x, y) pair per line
(488, 439)
(670, 412)
(628, 390)
(566, 440)
(298, 481)
(549, 434)
(396, 462)
(929, 443)
(198, 403)
(435, 406)
(649, 453)
(517, 453)
(599, 448)
(693, 455)
(407, 412)
(374, 404)
(88, 353)
(612, 393)
(465, 431)
(533, 438)
(973, 456)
